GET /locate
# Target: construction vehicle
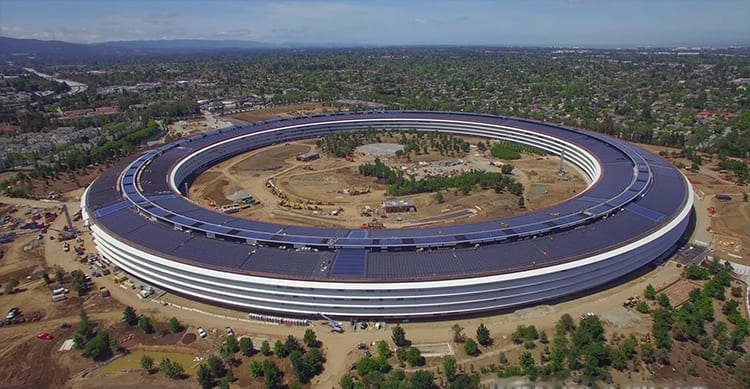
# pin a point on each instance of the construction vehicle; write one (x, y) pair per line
(358, 191)
(335, 325)
(366, 211)
(375, 224)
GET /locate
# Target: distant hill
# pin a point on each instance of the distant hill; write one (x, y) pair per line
(190, 44)
(22, 48)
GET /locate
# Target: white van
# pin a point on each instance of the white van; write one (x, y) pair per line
(58, 297)
(59, 291)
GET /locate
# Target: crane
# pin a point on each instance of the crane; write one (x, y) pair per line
(335, 325)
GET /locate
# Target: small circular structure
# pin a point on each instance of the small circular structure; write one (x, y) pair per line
(142, 221)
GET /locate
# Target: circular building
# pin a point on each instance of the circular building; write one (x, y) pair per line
(634, 212)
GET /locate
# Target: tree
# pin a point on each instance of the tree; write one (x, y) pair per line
(171, 369)
(414, 356)
(663, 300)
(129, 316)
(279, 350)
(290, 344)
(298, 366)
(384, 351)
(464, 381)
(246, 346)
(506, 168)
(265, 348)
(471, 347)
(439, 197)
(346, 382)
(232, 344)
(216, 366)
(204, 377)
(225, 353)
(736, 291)
(79, 281)
(458, 333)
(310, 339)
(399, 336)
(525, 333)
(313, 361)
(449, 367)
(565, 324)
(483, 335)
(422, 379)
(146, 324)
(174, 325)
(271, 375)
(10, 286)
(147, 363)
(58, 273)
(256, 369)
(527, 363)
(650, 292)
(647, 353)
(98, 348)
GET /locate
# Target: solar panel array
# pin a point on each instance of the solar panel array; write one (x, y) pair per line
(153, 167)
(152, 216)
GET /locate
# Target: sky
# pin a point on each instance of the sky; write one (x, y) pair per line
(594, 23)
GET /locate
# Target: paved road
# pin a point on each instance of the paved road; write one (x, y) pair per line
(75, 86)
(703, 220)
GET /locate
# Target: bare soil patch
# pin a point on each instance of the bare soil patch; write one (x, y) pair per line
(269, 159)
(679, 292)
(319, 192)
(730, 225)
(282, 111)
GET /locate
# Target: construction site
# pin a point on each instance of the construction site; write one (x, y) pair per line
(295, 183)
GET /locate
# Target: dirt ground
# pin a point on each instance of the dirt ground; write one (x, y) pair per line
(64, 183)
(192, 126)
(283, 111)
(319, 187)
(679, 292)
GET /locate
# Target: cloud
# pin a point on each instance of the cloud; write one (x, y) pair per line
(313, 10)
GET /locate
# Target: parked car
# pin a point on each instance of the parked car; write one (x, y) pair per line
(362, 346)
(368, 354)
(45, 336)
(13, 312)
(201, 332)
(229, 331)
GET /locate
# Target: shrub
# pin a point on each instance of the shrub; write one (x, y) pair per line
(471, 347)
(174, 325)
(146, 324)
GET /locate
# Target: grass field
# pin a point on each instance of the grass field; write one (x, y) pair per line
(132, 361)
